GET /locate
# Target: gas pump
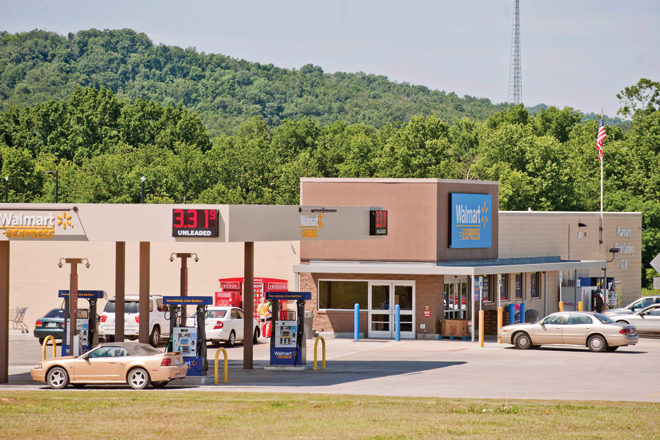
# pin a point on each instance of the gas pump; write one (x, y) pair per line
(190, 341)
(287, 342)
(86, 328)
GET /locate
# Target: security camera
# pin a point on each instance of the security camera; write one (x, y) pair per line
(59, 265)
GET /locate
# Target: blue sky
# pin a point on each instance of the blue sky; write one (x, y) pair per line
(574, 53)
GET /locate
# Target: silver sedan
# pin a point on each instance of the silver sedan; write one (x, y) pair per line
(593, 330)
(646, 321)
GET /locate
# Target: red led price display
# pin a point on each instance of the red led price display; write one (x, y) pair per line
(378, 223)
(195, 223)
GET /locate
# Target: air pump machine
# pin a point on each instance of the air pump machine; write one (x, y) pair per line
(287, 341)
(190, 341)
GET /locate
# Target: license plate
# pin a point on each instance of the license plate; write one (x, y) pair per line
(51, 324)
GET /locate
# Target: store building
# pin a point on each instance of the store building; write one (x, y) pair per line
(443, 237)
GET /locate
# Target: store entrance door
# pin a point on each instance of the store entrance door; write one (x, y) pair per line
(383, 296)
(456, 298)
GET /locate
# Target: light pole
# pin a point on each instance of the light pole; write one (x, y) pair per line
(57, 181)
(184, 280)
(143, 179)
(73, 299)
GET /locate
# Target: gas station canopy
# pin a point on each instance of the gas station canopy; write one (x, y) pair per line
(180, 223)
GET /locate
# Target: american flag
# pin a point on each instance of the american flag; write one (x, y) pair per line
(601, 138)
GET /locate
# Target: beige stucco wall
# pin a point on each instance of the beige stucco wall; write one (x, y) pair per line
(35, 277)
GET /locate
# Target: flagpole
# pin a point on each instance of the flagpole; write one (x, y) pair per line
(601, 187)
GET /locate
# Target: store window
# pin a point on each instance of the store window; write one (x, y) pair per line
(343, 295)
(504, 288)
(535, 291)
(519, 286)
(486, 288)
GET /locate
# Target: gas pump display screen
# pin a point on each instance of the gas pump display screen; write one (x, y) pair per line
(201, 223)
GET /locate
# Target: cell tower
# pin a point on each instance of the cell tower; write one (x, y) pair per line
(515, 73)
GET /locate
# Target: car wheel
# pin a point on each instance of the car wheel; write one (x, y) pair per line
(154, 339)
(138, 378)
(611, 349)
(160, 384)
(597, 343)
(41, 341)
(57, 378)
(255, 339)
(522, 341)
(232, 339)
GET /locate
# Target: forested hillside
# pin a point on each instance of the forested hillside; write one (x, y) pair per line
(38, 66)
(102, 145)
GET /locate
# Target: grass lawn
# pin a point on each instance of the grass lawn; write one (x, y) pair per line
(169, 414)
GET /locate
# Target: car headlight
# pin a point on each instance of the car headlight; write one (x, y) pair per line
(37, 367)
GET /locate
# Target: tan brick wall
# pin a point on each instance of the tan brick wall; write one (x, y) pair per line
(536, 234)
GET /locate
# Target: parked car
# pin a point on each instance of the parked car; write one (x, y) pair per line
(647, 321)
(52, 324)
(225, 324)
(159, 326)
(593, 330)
(635, 306)
(133, 363)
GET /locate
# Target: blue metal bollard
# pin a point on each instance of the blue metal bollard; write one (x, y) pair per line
(356, 323)
(512, 314)
(522, 313)
(397, 322)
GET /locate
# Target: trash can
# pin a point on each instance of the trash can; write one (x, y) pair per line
(531, 316)
(309, 322)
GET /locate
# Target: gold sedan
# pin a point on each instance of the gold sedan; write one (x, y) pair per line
(121, 362)
(593, 330)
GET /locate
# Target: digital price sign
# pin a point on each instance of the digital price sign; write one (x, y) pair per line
(378, 223)
(193, 223)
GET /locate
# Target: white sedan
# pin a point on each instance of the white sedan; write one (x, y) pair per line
(225, 324)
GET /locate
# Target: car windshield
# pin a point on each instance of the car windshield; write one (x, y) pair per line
(129, 307)
(217, 313)
(604, 319)
(55, 313)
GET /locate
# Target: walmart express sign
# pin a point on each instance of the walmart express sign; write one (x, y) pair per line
(471, 218)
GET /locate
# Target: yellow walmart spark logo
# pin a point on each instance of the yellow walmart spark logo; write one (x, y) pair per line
(484, 212)
(64, 220)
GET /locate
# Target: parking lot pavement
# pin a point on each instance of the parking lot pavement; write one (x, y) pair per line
(455, 369)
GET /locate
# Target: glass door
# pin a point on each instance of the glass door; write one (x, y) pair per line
(383, 296)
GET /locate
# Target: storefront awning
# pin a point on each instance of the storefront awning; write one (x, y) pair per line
(470, 268)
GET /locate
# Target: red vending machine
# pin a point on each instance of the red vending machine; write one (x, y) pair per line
(231, 294)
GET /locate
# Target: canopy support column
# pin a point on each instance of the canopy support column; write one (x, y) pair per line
(472, 294)
(145, 257)
(120, 289)
(4, 311)
(248, 304)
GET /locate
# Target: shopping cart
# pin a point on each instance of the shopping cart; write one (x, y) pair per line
(17, 323)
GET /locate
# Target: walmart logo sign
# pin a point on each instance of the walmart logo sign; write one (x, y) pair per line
(471, 216)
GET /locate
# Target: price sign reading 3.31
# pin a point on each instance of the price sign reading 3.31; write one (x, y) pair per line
(195, 223)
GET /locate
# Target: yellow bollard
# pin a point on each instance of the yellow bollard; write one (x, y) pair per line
(217, 355)
(49, 338)
(499, 322)
(316, 344)
(561, 306)
(481, 328)
(580, 306)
